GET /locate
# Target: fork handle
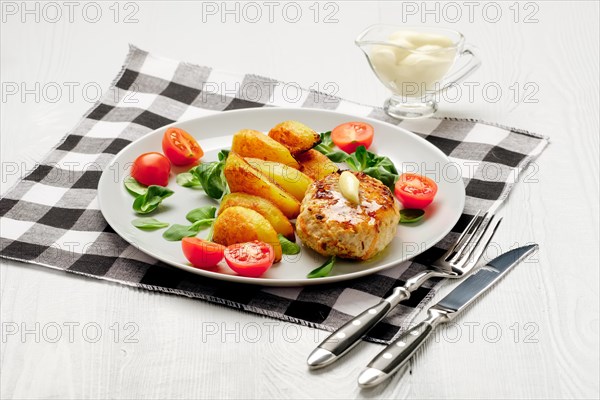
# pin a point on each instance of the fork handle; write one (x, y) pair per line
(345, 338)
(349, 335)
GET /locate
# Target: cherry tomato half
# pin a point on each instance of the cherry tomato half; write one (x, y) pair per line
(180, 147)
(202, 253)
(151, 169)
(415, 191)
(350, 135)
(251, 258)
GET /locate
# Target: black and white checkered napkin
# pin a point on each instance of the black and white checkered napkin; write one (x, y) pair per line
(52, 218)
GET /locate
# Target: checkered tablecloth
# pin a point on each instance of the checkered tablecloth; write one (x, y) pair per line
(47, 214)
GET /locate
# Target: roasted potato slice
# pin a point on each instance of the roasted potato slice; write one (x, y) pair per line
(289, 179)
(264, 207)
(315, 164)
(295, 136)
(241, 177)
(240, 224)
(250, 143)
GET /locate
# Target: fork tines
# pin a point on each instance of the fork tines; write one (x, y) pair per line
(467, 246)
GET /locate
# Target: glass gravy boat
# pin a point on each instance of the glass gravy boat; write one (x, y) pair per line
(415, 63)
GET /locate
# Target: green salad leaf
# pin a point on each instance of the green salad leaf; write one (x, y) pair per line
(323, 270)
(223, 154)
(326, 139)
(378, 167)
(326, 147)
(209, 176)
(178, 232)
(411, 215)
(212, 179)
(134, 187)
(201, 218)
(201, 213)
(148, 202)
(148, 224)
(288, 247)
(187, 179)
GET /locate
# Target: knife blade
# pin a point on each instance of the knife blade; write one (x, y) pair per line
(394, 356)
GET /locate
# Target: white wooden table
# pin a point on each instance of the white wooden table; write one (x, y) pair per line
(535, 336)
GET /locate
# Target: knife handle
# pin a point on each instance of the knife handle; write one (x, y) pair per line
(400, 351)
(349, 335)
(345, 338)
(397, 354)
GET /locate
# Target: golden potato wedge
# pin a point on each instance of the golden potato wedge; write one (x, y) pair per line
(240, 224)
(289, 179)
(264, 207)
(241, 177)
(250, 143)
(315, 164)
(295, 136)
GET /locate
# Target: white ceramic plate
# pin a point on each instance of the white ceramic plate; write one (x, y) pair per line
(409, 152)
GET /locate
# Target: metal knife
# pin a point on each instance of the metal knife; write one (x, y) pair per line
(394, 356)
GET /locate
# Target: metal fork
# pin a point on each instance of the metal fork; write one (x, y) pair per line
(458, 261)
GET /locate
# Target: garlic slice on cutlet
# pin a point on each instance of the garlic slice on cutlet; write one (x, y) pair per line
(349, 186)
